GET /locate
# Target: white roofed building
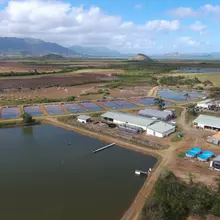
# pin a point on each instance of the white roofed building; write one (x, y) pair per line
(160, 129)
(207, 122)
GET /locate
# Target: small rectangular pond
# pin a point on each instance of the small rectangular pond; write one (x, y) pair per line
(50, 173)
(11, 112)
(33, 110)
(200, 70)
(74, 108)
(124, 104)
(143, 101)
(54, 109)
(110, 104)
(90, 106)
(178, 95)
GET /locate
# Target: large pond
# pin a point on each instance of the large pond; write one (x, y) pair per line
(200, 70)
(50, 173)
(178, 95)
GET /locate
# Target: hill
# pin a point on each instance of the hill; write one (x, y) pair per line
(13, 46)
(141, 57)
(52, 57)
(97, 51)
(175, 54)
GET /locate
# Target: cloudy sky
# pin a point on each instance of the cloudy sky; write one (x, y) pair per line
(148, 26)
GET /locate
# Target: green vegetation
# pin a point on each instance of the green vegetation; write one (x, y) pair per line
(178, 80)
(160, 103)
(214, 92)
(173, 199)
(10, 123)
(187, 96)
(35, 101)
(66, 119)
(27, 119)
(181, 155)
(208, 79)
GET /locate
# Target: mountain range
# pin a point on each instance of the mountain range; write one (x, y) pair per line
(30, 46)
(12, 46)
(98, 51)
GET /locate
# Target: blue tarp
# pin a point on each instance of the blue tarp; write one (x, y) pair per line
(208, 153)
(191, 153)
(196, 149)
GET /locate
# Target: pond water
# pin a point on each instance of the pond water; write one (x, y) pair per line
(54, 109)
(50, 173)
(33, 110)
(178, 95)
(91, 106)
(74, 108)
(11, 112)
(202, 70)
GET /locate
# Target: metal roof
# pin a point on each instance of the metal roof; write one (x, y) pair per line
(208, 120)
(83, 117)
(155, 113)
(129, 118)
(160, 127)
(205, 101)
(217, 158)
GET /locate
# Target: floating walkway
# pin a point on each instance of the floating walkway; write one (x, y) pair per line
(141, 172)
(103, 148)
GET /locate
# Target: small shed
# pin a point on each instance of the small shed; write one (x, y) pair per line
(215, 139)
(215, 163)
(84, 118)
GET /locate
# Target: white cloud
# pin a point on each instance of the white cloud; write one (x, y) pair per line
(183, 12)
(63, 23)
(207, 9)
(188, 41)
(138, 6)
(198, 26)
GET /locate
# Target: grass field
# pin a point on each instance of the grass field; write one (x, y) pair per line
(213, 77)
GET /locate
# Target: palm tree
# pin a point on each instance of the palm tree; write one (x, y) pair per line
(160, 103)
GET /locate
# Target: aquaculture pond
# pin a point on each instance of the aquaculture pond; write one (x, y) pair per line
(200, 70)
(50, 173)
(178, 95)
(11, 112)
(117, 104)
(33, 110)
(54, 109)
(90, 106)
(74, 108)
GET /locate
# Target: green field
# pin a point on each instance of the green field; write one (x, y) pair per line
(213, 77)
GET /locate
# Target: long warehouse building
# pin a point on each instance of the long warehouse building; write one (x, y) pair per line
(128, 119)
(151, 126)
(207, 122)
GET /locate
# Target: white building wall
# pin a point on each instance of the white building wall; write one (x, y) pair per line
(82, 121)
(136, 125)
(206, 105)
(158, 134)
(150, 132)
(201, 125)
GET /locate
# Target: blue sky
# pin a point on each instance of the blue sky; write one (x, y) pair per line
(148, 26)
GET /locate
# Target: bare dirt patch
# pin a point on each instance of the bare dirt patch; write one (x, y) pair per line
(77, 91)
(50, 81)
(16, 67)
